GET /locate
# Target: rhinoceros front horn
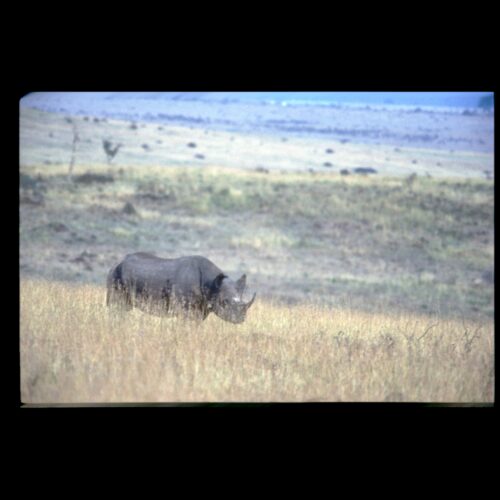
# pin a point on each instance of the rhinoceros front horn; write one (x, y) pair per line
(248, 304)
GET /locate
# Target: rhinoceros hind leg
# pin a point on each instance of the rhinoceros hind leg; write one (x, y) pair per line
(117, 293)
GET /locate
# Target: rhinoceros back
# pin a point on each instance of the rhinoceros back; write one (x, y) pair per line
(142, 271)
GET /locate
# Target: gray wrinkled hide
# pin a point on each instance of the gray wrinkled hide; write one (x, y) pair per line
(191, 286)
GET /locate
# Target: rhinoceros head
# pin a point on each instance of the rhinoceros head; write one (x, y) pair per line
(227, 298)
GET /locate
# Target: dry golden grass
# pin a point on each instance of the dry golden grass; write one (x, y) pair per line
(74, 350)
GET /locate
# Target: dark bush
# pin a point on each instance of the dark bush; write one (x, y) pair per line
(365, 170)
(90, 178)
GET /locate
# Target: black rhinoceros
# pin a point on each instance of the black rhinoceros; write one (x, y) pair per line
(192, 286)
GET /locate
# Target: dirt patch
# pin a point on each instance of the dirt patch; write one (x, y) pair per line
(58, 227)
(85, 258)
(90, 178)
(34, 198)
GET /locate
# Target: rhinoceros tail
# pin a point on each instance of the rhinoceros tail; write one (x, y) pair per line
(116, 289)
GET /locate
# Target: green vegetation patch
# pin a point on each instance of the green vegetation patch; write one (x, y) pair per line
(380, 230)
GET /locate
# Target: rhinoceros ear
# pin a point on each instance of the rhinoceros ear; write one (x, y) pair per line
(218, 281)
(241, 284)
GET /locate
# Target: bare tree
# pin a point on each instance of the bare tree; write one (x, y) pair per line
(76, 138)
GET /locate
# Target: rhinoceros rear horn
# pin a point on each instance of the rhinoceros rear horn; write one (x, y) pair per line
(248, 304)
(241, 284)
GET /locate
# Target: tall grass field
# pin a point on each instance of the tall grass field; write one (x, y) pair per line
(75, 350)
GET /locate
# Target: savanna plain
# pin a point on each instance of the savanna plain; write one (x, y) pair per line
(369, 288)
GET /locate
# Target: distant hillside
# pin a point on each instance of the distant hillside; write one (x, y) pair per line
(440, 99)
(67, 100)
(175, 96)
